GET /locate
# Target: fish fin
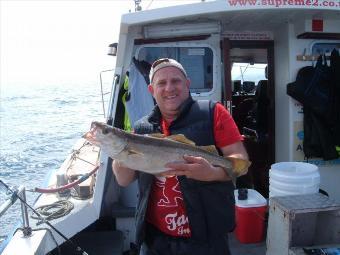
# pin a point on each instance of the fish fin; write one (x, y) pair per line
(240, 166)
(180, 138)
(156, 135)
(210, 148)
(132, 152)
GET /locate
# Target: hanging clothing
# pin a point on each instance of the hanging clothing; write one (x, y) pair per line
(139, 101)
(317, 88)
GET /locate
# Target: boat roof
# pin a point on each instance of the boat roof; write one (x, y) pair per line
(241, 11)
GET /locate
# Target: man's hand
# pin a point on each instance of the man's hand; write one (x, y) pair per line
(197, 168)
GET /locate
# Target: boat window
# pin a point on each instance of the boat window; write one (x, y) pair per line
(245, 76)
(197, 61)
(324, 48)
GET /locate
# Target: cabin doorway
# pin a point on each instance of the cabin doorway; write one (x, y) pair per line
(249, 96)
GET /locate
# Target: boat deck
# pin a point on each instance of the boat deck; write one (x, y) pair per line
(238, 248)
(101, 243)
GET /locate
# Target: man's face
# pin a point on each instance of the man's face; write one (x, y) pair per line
(170, 89)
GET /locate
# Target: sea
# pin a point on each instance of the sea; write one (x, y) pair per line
(39, 124)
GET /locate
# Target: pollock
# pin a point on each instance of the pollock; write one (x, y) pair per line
(149, 153)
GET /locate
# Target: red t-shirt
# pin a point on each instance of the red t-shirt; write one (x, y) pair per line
(166, 210)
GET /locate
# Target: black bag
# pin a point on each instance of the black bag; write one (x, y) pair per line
(313, 88)
(297, 89)
(319, 94)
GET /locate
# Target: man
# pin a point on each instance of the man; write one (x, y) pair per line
(189, 209)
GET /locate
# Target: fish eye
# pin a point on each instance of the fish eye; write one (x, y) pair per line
(106, 130)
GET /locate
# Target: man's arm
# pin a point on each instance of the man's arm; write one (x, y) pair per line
(200, 169)
(124, 175)
(236, 150)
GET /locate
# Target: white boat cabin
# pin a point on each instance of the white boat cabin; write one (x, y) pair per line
(243, 55)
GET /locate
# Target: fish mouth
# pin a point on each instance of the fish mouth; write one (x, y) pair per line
(87, 135)
(100, 126)
(90, 135)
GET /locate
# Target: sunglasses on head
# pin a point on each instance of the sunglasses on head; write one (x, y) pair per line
(159, 61)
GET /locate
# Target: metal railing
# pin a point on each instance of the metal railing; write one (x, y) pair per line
(20, 192)
(102, 89)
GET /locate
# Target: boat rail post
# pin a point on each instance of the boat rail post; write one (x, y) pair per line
(26, 229)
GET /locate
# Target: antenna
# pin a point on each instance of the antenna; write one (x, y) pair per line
(138, 7)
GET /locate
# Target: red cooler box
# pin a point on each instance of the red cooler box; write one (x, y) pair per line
(250, 216)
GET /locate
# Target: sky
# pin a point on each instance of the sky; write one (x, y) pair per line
(49, 42)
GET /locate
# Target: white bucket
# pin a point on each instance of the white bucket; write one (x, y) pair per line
(293, 178)
(277, 192)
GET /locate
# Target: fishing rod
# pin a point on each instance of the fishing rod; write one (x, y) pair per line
(15, 194)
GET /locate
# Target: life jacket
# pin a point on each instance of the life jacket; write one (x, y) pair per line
(209, 205)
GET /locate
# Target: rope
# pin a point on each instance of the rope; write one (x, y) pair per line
(75, 153)
(76, 157)
(72, 184)
(53, 211)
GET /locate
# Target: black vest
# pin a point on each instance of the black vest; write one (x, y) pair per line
(209, 205)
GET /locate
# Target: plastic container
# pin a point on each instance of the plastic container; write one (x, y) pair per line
(295, 172)
(293, 178)
(303, 188)
(250, 217)
(279, 193)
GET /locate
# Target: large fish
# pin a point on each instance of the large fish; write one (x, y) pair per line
(149, 153)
